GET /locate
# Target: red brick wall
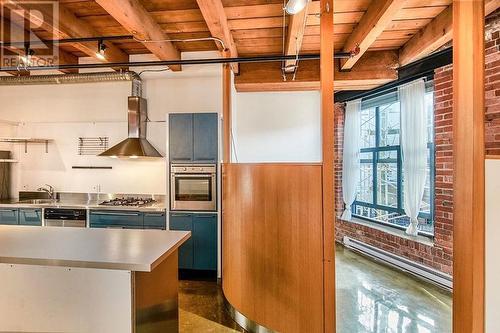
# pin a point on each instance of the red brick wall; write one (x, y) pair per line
(492, 88)
(439, 256)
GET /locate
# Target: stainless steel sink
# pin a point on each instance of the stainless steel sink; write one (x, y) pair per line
(38, 201)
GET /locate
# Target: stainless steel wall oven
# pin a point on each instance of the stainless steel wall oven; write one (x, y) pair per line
(193, 187)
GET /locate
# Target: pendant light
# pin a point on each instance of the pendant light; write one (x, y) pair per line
(295, 6)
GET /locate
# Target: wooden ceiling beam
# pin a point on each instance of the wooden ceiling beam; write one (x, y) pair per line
(372, 24)
(67, 25)
(373, 70)
(295, 36)
(132, 15)
(216, 19)
(434, 35)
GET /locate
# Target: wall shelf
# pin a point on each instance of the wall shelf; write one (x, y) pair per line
(27, 141)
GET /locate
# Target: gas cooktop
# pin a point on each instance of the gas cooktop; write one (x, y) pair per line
(133, 202)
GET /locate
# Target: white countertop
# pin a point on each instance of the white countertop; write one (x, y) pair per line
(131, 250)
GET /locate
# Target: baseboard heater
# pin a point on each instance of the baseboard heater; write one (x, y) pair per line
(419, 270)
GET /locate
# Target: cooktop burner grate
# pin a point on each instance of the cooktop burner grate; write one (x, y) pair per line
(134, 202)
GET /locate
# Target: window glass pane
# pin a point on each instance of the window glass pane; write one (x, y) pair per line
(380, 129)
(365, 191)
(367, 128)
(389, 156)
(389, 124)
(387, 184)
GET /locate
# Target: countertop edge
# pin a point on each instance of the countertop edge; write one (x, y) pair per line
(170, 251)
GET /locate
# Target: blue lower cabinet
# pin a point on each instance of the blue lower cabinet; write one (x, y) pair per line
(200, 251)
(155, 220)
(30, 217)
(116, 219)
(9, 216)
(184, 222)
(205, 241)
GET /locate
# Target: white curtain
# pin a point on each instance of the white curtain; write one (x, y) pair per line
(350, 165)
(414, 148)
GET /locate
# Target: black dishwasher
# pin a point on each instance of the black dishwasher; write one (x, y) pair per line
(59, 217)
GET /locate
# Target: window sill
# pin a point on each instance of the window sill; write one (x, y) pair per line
(393, 231)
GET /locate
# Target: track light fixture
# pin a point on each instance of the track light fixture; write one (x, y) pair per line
(27, 59)
(295, 6)
(101, 50)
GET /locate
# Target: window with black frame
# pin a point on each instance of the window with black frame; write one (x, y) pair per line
(381, 187)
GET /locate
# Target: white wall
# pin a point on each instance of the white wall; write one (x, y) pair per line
(492, 245)
(277, 127)
(65, 112)
(268, 127)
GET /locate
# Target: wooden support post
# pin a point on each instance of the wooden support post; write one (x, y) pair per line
(226, 112)
(327, 109)
(468, 146)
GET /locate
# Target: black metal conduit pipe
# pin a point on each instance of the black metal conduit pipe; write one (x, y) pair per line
(66, 41)
(208, 61)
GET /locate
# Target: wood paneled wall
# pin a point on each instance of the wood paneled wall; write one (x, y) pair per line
(272, 260)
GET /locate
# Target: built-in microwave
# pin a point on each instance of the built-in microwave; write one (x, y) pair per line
(193, 187)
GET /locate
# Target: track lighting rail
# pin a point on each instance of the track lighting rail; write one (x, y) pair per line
(206, 61)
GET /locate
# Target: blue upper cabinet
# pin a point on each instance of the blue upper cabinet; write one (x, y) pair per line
(181, 137)
(193, 137)
(205, 137)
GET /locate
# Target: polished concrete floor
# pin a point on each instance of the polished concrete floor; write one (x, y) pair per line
(371, 298)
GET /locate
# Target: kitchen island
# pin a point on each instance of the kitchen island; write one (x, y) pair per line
(88, 280)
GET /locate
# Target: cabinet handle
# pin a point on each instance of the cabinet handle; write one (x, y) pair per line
(180, 215)
(8, 210)
(115, 227)
(116, 214)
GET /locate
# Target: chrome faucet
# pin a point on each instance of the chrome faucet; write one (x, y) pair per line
(49, 189)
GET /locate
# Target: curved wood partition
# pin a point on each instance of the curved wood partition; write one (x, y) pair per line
(272, 246)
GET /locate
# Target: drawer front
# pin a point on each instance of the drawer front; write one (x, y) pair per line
(117, 219)
(184, 222)
(9, 216)
(205, 241)
(30, 217)
(155, 221)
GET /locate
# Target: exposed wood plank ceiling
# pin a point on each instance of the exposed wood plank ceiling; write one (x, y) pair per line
(255, 27)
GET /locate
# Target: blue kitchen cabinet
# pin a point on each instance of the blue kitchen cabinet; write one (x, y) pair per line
(200, 251)
(9, 216)
(184, 222)
(205, 143)
(193, 137)
(116, 219)
(155, 220)
(205, 241)
(30, 217)
(181, 137)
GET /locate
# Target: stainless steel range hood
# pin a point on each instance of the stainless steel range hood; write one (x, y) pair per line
(136, 145)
